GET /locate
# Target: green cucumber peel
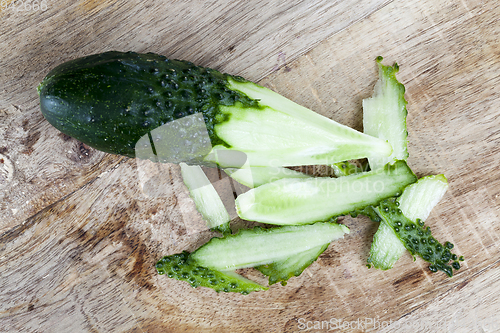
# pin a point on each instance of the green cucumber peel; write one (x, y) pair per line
(417, 239)
(302, 201)
(283, 270)
(384, 115)
(181, 266)
(258, 246)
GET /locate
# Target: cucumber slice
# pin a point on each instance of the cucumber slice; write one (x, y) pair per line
(384, 115)
(256, 176)
(301, 201)
(182, 267)
(258, 246)
(282, 270)
(415, 203)
(420, 198)
(386, 248)
(205, 197)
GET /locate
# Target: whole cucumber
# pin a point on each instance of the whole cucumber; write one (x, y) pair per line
(110, 100)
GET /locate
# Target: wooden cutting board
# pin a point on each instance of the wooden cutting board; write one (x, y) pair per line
(80, 230)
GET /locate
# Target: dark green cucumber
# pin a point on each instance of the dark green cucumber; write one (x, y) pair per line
(124, 103)
(182, 267)
(110, 100)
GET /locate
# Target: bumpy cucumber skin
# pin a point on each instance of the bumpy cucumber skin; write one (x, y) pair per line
(416, 202)
(368, 211)
(112, 99)
(283, 270)
(182, 267)
(418, 240)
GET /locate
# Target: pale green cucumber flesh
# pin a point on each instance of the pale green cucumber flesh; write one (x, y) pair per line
(386, 248)
(182, 267)
(258, 246)
(282, 270)
(384, 115)
(347, 168)
(415, 203)
(256, 176)
(303, 201)
(283, 133)
(205, 197)
(420, 198)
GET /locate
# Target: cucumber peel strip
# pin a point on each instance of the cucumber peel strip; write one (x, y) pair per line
(384, 115)
(207, 200)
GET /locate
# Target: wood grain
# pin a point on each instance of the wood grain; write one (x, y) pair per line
(83, 262)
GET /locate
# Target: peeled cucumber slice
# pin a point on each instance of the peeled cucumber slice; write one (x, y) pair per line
(205, 197)
(418, 200)
(301, 201)
(346, 168)
(386, 248)
(384, 115)
(258, 246)
(283, 133)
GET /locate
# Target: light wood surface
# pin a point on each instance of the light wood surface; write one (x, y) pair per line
(80, 230)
